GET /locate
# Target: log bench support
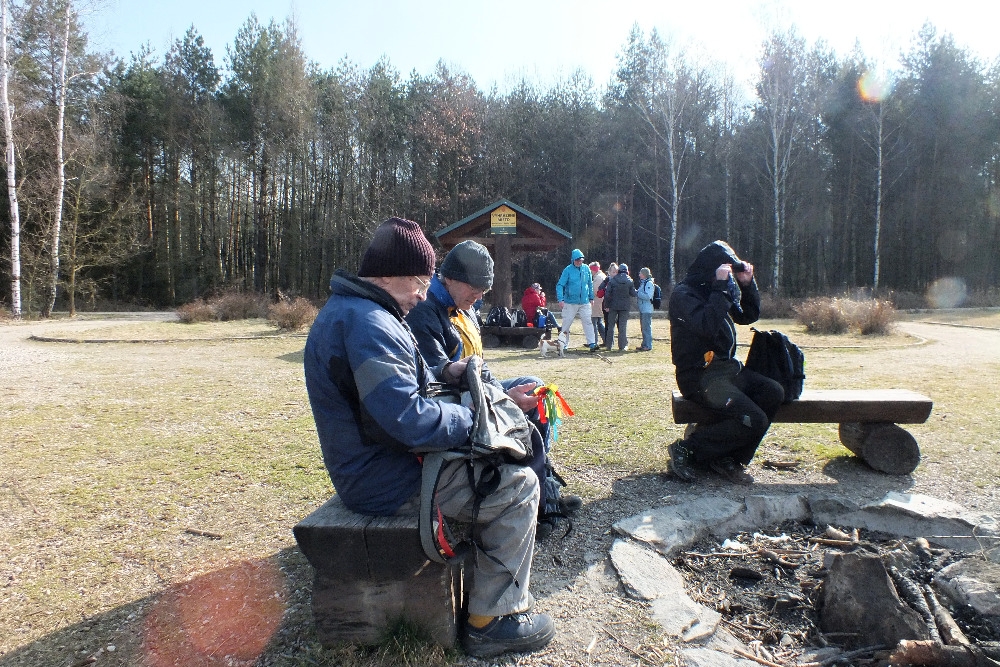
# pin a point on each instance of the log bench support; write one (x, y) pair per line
(868, 420)
(371, 573)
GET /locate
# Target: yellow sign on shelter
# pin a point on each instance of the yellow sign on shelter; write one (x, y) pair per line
(503, 220)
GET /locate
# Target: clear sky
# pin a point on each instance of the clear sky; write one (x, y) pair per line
(542, 40)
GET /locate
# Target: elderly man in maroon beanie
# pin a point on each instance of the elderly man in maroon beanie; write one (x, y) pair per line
(367, 386)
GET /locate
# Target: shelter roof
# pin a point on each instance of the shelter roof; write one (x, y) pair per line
(534, 233)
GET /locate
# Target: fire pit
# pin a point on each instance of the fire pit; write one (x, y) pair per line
(817, 580)
(769, 588)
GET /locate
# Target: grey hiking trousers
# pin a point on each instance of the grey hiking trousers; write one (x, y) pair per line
(506, 520)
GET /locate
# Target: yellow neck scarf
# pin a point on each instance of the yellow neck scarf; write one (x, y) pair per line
(472, 342)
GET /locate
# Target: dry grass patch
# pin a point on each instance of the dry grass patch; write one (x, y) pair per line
(133, 471)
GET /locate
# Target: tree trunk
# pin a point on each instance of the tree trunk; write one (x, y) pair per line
(15, 218)
(60, 174)
(880, 169)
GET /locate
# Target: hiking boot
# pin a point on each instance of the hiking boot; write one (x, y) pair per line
(570, 503)
(681, 459)
(592, 347)
(522, 633)
(731, 470)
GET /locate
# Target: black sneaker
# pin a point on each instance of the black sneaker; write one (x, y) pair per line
(515, 632)
(731, 470)
(570, 503)
(681, 461)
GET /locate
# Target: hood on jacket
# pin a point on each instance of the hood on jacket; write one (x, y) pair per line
(710, 258)
(577, 254)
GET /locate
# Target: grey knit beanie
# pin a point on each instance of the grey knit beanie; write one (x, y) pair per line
(469, 262)
(398, 248)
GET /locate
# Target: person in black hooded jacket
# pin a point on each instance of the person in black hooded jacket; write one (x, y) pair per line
(718, 292)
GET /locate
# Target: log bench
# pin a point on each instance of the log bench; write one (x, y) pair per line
(868, 420)
(371, 573)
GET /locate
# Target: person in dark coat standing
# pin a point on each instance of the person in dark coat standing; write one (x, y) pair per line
(618, 300)
(718, 292)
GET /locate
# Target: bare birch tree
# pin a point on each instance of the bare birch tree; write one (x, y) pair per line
(57, 206)
(779, 90)
(881, 140)
(8, 126)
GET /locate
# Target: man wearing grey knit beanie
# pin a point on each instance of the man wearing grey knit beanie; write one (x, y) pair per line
(367, 386)
(446, 330)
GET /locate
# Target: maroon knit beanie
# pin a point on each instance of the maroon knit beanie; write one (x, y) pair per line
(398, 248)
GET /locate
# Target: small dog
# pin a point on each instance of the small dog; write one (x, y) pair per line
(556, 344)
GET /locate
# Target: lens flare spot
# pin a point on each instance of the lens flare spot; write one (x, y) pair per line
(947, 293)
(225, 617)
(873, 87)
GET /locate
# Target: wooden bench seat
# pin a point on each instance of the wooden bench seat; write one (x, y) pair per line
(868, 421)
(371, 572)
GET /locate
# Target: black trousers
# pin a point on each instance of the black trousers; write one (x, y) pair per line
(745, 405)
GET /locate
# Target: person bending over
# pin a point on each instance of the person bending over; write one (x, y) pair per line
(446, 332)
(367, 385)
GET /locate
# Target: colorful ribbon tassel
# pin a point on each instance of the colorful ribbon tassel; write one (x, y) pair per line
(551, 408)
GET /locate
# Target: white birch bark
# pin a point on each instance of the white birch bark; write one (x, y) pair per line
(61, 170)
(8, 126)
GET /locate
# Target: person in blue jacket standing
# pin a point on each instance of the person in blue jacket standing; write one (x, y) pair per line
(575, 294)
(645, 290)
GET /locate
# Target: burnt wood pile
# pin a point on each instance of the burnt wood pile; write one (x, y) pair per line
(808, 596)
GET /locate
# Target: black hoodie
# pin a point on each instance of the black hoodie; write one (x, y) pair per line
(703, 311)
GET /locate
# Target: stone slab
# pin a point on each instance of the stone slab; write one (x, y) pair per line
(942, 522)
(671, 528)
(973, 582)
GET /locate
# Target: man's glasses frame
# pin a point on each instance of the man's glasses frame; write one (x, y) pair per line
(424, 285)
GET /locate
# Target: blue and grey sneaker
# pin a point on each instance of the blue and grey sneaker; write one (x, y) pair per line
(521, 633)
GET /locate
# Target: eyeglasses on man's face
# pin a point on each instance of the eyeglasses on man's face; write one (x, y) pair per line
(424, 285)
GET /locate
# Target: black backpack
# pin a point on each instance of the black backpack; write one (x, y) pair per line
(519, 318)
(657, 297)
(499, 316)
(773, 355)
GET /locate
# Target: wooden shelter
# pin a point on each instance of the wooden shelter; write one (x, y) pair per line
(505, 229)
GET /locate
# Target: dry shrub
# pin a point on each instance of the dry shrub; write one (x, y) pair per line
(196, 311)
(987, 298)
(239, 306)
(906, 300)
(823, 315)
(292, 315)
(875, 317)
(774, 307)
